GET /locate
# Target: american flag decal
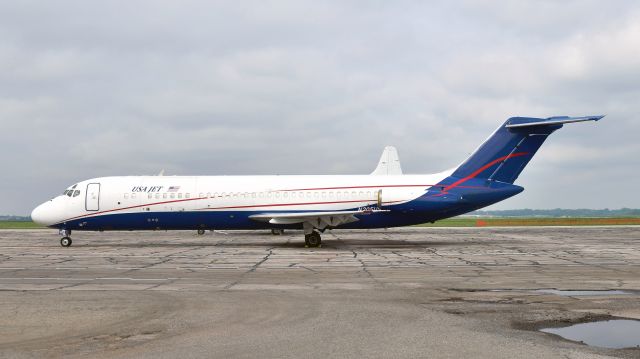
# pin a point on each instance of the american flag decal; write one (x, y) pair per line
(173, 189)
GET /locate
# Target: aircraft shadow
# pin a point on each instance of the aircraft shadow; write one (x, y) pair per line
(326, 244)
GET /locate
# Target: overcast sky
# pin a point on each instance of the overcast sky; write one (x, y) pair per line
(93, 89)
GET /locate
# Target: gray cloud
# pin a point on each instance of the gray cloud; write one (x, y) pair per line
(90, 89)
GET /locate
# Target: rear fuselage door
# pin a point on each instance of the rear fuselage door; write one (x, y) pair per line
(92, 201)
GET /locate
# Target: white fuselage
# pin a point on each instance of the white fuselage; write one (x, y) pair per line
(163, 194)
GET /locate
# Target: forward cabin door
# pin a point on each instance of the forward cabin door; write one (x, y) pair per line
(92, 201)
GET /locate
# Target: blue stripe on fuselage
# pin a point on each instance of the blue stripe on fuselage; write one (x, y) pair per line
(434, 205)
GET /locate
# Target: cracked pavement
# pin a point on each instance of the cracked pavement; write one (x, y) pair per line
(140, 288)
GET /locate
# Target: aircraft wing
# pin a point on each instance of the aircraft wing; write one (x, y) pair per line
(312, 219)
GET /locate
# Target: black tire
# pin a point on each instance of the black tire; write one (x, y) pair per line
(65, 241)
(313, 239)
(277, 231)
(200, 232)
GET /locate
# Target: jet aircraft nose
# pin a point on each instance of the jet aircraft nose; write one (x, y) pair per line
(43, 214)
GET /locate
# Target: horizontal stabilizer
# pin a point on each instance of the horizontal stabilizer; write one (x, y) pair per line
(517, 122)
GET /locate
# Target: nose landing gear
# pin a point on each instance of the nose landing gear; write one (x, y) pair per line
(65, 241)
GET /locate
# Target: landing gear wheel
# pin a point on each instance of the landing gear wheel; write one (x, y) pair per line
(200, 232)
(277, 231)
(65, 241)
(313, 240)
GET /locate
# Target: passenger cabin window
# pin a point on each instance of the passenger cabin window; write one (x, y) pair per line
(164, 195)
(187, 195)
(179, 195)
(157, 195)
(126, 196)
(150, 195)
(133, 195)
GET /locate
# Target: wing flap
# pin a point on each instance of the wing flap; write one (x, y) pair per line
(314, 219)
(266, 217)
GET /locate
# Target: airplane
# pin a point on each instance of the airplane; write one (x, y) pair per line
(386, 198)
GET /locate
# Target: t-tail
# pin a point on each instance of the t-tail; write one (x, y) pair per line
(505, 154)
(487, 176)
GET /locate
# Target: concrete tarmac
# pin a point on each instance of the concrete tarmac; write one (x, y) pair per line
(408, 292)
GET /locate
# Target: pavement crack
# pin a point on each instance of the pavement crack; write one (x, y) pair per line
(266, 258)
(251, 270)
(162, 283)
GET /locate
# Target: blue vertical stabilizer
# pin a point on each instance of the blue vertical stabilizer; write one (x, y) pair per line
(505, 154)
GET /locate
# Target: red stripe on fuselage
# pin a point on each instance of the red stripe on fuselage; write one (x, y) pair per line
(199, 198)
(481, 169)
(355, 187)
(215, 208)
(292, 204)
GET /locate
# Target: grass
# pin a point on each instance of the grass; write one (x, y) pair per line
(19, 225)
(521, 222)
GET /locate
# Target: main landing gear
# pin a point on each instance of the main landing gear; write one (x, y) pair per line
(65, 241)
(312, 239)
(200, 232)
(277, 231)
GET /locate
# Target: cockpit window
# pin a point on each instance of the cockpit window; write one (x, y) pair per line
(70, 191)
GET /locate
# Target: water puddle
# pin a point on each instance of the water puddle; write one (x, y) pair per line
(578, 293)
(613, 334)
